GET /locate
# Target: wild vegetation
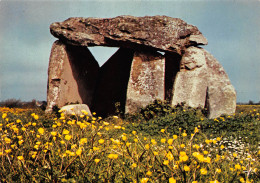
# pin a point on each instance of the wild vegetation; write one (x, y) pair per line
(159, 144)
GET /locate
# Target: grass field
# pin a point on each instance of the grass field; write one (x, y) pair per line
(159, 144)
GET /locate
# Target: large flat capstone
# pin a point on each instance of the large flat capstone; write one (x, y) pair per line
(150, 32)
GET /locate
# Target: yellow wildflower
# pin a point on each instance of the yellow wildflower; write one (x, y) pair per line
(83, 141)
(112, 156)
(53, 133)
(7, 140)
(79, 151)
(242, 179)
(124, 138)
(235, 155)
(65, 132)
(214, 181)
(207, 160)
(96, 148)
(237, 167)
(101, 141)
(20, 158)
(175, 136)
(166, 162)
(144, 180)
(134, 165)
(170, 141)
(8, 151)
(41, 131)
(203, 171)
(205, 152)
(172, 180)
(147, 146)
(97, 160)
(68, 137)
(218, 170)
(153, 141)
(169, 156)
(186, 168)
(196, 130)
(163, 140)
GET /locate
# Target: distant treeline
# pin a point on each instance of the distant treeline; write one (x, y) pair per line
(16, 103)
(250, 102)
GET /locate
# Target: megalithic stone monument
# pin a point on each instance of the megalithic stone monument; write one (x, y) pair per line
(159, 58)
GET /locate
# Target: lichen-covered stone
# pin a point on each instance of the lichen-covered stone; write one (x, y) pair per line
(221, 95)
(202, 82)
(190, 85)
(146, 81)
(149, 32)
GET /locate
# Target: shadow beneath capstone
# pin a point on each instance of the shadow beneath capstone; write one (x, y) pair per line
(85, 72)
(111, 89)
(172, 67)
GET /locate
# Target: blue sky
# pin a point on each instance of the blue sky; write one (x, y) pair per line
(231, 27)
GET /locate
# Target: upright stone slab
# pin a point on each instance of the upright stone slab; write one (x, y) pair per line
(221, 95)
(146, 82)
(190, 85)
(110, 94)
(72, 75)
(202, 82)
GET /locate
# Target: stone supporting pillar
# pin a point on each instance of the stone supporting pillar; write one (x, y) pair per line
(72, 75)
(190, 85)
(203, 82)
(146, 81)
(221, 95)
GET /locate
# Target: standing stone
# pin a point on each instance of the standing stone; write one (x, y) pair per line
(72, 75)
(146, 82)
(202, 82)
(190, 85)
(221, 95)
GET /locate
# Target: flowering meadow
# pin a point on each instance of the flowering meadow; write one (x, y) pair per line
(40, 147)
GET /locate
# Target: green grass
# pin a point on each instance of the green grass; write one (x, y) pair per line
(159, 144)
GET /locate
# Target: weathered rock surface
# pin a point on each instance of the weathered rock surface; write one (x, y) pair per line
(159, 32)
(146, 82)
(190, 85)
(202, 82)
(72, 75)
(78, 109)
(221, 95)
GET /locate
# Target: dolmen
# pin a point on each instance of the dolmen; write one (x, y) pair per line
(159, 57)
